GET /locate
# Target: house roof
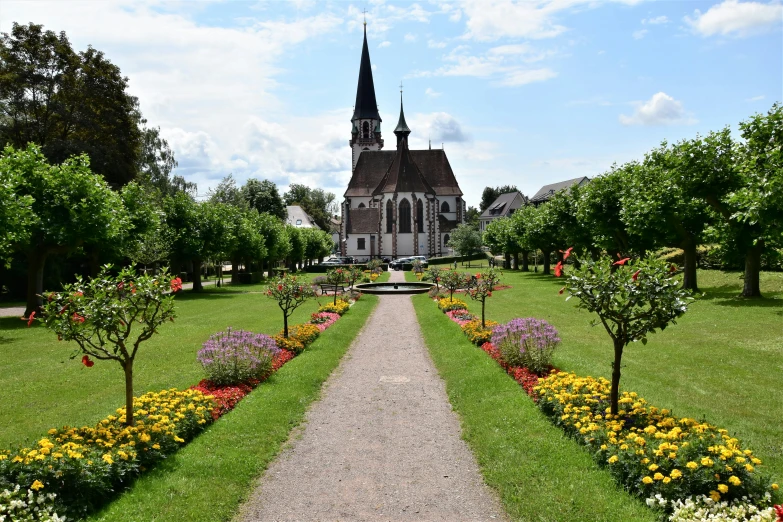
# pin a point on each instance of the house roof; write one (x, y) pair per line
(366, 107)
(504, 205)
(296, 213)
(547, 191)
(373, 165)
(403, 174)
(363, 221)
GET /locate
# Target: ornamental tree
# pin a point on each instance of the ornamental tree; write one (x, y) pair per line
(289, 294)
(631, 299)
(453, 281)
(435, 273)
(481, 286)
(336, 277)
(465, 240)
(110, 316)
(352, 274)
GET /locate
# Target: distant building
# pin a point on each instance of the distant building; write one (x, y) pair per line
(296, 216)
(398, 203)
(547, 191)
(505, 205)
(334, 229)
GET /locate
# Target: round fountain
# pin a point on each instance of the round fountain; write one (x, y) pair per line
(394, 288)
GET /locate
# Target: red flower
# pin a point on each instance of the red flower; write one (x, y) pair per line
(567, 253)
(673, 268)
(78, 294)
(558, 269)
(77, 318)
(635, 275)
(176, 284)
(120, 285)
(622, 261)
(87, 362)
(30, 320)
(561, 290)
(489, 294)
(279, 288)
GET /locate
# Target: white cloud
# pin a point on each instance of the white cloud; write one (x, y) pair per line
(385, 43)
(432, 93)
(734, 18)
(410, 37)
(433, 44)
(524, 76)
(755, 98)
(661, 109)
(656, 21)
(439, 127)
(638, 35)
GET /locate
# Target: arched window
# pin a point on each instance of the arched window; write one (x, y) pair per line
(389, 216)
(361, 205)
(445, 207)
(420, 216)
(366, 130)
(405, 217)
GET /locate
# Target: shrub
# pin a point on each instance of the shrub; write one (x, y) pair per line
(649, 451)
(528, 342)
(447, 304)
(340, 307)
(23, 505)
(235, 356)
(477, 334)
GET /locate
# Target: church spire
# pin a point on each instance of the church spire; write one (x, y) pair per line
(366, 107)
(401, 131)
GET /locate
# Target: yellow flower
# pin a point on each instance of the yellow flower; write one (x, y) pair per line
(156, 446)
(107, 458)
(613, 459)
(653, 466)
(658, 476)
(691, 465)
(706, 461)
(775, 487)
(666, 480)
(647, 480)
(714, 495)
(37, 485)
(734, 481)
(676, 473)
(723, 488)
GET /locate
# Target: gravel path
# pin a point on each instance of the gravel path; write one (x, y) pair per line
(382, 443)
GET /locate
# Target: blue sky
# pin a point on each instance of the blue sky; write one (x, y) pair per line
(526, 93)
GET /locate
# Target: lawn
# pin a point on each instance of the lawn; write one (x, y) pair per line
(722, 361)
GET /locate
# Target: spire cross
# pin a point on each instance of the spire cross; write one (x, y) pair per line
(400, 87)
(365, 16)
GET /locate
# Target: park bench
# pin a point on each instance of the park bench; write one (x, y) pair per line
(326, 288)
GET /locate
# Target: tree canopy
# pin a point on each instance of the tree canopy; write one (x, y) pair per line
(490, 194)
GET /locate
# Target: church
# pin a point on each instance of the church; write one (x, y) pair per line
(399, 203)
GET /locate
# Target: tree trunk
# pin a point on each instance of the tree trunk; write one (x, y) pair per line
(197, 286)
(689, 276)
(752, 268)
(483, 325)
(506, 260)
(525, 261)
(614, 397)
(128, 367)
(35, 269)
(546, 263)
(285, 323)
(515, 266)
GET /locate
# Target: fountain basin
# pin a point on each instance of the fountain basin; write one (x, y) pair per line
(394, 288)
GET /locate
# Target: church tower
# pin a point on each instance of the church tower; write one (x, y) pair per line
(366, 131)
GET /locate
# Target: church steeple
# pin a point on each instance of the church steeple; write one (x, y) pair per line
(366, 129)
(401, 131)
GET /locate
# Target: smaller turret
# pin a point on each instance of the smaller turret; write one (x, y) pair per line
(401, 131)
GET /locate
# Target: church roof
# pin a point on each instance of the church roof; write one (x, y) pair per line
(363, 221)
(403, 174)
(373, 165)
(366, 107)
(547, 191)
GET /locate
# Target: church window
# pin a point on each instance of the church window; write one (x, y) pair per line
(360, 243)
(361, 205)
(366, 130)
(445, 207)
(389, 216)
(405, 217)
(420, 216)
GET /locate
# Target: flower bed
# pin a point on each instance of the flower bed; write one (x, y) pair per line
(478, 334)
(446, 304)
(460, 316)
(324, 320)
(648, 450)
(340, 308)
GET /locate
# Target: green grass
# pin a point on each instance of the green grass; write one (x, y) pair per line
(209, 478)
(722, 361)
(41, 388)
(538, 472)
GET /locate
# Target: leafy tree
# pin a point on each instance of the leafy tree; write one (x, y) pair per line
(472, 217)
(247, 244)
(264, 197)
(631, 302)
(453, 281)
(319, 204)
(481, 287)
(15, 211)
(599, 208)
(434, 273)
(490, 194)
(465, 240)
(228, 193)
(499, 236)
(336, 277)
(70, 207)
(156, 163)
(273, 231)
(67, 103)
(318, 243)
(289, 294)
(100, 316)
(541, 230)
(297, 244)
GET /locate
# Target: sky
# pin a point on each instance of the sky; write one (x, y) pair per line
(521, 93)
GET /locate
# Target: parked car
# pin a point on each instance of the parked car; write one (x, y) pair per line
(331, 261)
(397, 263)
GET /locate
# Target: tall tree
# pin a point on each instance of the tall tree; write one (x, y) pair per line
(156, 163)
(68, 103)
(501, 239)
(228, 193)
(542, 232)
(70, 207)
(264, 197)
(490, 194)
(465, 240)
(319, 204)
(472, 217)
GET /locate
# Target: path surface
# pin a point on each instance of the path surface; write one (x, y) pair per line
(382, 443)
